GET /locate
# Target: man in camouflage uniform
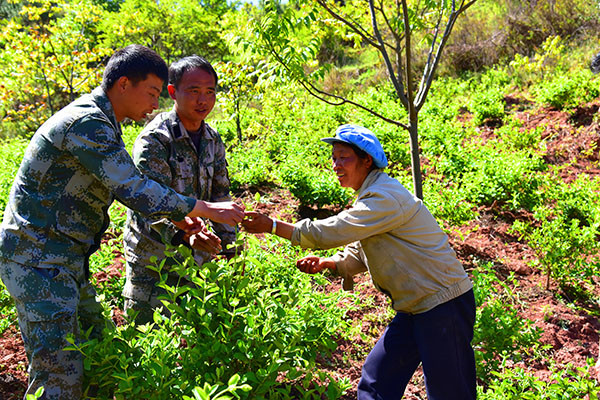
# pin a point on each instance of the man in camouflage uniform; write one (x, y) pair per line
(74, 167)
(178, 149)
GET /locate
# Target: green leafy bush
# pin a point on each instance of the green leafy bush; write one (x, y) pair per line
(312, 186)
(514, 136)
(249, 166)
(500, 332)
(503, 177)
(7, 309)
(109, 289)
(487, 105)
(565, 234)
(447, 204)
(564, 383)
(487, 96)
(11, 154)
(238, 318)
(568, 90)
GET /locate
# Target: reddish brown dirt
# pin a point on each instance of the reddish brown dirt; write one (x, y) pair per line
(572, 142)
(13, 365)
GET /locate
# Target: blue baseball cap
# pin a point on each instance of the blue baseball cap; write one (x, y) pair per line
(362, 138)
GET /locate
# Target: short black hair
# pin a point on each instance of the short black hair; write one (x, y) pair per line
(595, 64)
(189, 63)
(135, 62)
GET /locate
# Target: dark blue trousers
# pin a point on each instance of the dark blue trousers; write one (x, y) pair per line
(440, 339)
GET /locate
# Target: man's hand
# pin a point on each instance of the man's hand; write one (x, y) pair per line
(257, 222)
(191, 225)
(198, 236)
(224, 212)
(314, 264)
(205, 241)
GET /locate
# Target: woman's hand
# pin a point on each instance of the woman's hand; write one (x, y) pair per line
(314, 264)
(255, 222)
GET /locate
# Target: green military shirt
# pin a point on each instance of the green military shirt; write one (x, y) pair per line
(74, 167)
(164, 151)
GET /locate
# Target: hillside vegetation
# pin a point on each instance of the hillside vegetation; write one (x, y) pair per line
(510, 150)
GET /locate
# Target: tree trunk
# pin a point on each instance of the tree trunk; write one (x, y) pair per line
(238, 122)
(415, 159)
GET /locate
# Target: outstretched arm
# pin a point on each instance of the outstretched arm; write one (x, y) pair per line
(255, 222)
(313, 264)
(224, 212)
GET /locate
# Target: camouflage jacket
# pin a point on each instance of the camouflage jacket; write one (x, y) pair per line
(165, 152)
(74, 167)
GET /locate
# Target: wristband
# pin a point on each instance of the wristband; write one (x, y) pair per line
(274, 228)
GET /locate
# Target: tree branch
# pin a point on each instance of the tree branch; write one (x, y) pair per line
(397, 83)
(350, 24)
(318, 93)
(427, 77)
(394, 32)
(428, 80)
(407, 53)
(323, 96)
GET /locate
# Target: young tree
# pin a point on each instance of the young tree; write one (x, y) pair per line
(49, 57)
(389, 26)
(238, 88)
(173, 28)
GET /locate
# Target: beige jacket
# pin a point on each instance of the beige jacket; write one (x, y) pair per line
(390, 233)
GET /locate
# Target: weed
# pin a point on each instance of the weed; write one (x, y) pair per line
(517, 384)
(500, 332)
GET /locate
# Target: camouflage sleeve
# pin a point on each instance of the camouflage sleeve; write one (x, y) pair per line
(220, 191)
(151, 157)
(95, 144)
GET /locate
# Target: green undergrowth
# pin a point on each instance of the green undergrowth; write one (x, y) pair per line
(567, 383)
(8, 314)
(500, 332)
(255, 317)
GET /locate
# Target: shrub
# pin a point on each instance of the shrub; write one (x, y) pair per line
(568, 90)
(563, 383)
(565, 234)
(249, 166)
(492, 30)
(312, 186)
(487, 99)
(7, 309)
(500, 332)
(517, 138)
(487, 105)
(11, 154)
(509, 178)
(237, 318)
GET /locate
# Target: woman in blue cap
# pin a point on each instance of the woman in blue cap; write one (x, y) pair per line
(390, 233)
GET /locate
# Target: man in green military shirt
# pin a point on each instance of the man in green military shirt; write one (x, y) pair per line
(179, 149)
(74, 167)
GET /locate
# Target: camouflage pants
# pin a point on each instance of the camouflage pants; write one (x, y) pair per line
(141, 293)
(50, 304)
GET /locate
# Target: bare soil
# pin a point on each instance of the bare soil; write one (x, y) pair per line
(572, 142)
